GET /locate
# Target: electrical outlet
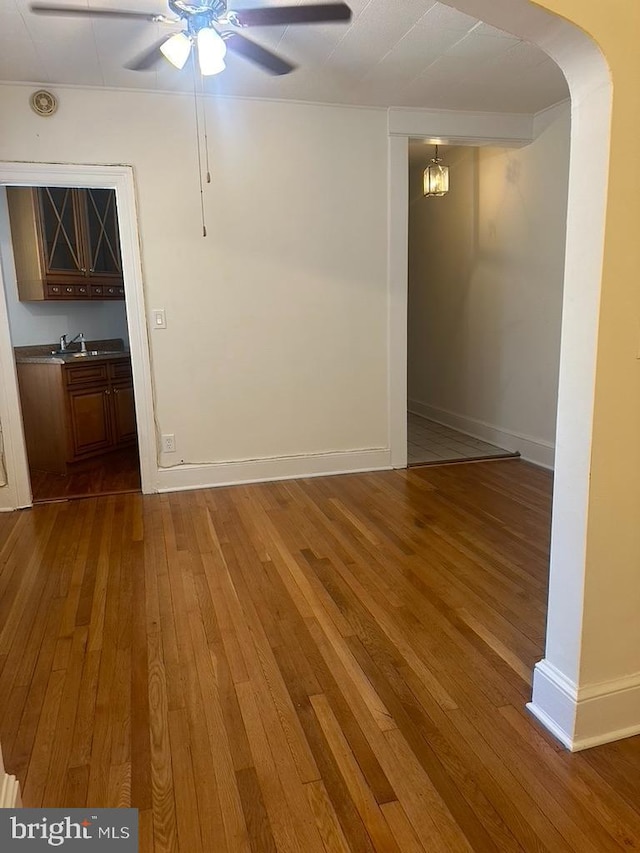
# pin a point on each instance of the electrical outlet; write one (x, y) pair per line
(168, 443)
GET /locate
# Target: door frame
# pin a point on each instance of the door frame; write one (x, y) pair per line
(464, 128)
(120, 179)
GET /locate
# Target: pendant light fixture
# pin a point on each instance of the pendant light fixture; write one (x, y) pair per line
(436, 177)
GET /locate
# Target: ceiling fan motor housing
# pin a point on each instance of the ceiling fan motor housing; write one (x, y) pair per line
(210, 9)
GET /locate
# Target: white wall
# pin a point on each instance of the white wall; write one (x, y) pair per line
(44, 322)
(276, 340)
(486, 266)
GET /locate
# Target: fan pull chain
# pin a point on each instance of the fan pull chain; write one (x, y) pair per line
(203, 104)
(206, 137)
(195, 104)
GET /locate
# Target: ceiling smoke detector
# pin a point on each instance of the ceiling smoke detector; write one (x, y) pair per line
(43, 103)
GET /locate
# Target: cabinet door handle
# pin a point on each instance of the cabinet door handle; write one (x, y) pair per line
(115, 390)
(107, 391)
(84, 269)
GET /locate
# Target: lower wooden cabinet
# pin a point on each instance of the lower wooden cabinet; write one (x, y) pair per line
(76, 410)
(124, 414)
(90, 421)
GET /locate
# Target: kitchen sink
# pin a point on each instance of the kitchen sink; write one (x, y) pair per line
(86, 354)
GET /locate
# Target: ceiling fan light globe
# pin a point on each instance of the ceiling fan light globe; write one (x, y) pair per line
(177, 49)
(211, 52)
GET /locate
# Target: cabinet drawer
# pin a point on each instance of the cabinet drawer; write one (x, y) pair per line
(107, 291)
(57, 291)
(85, 374)
(67, 291)
(120, 369)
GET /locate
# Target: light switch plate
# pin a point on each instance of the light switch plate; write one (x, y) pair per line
(159, 319)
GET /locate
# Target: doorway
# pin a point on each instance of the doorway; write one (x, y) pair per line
(65, 299)
(122, 467)
(485, 281)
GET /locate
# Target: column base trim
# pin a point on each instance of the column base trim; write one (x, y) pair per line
(587, 716)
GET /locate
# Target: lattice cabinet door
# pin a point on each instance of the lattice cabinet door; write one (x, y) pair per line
(102, 238)
(62, 237)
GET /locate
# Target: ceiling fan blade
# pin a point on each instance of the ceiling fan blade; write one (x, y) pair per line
(279, 15)
(85, 12)
(256, 53)
(147, 59)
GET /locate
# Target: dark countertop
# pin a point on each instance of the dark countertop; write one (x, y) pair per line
(106, 350)
(71, 358)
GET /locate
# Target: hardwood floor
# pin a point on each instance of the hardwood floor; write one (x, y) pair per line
(111, 473)
(336, 664)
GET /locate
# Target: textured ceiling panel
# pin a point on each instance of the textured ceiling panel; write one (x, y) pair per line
(414, 53)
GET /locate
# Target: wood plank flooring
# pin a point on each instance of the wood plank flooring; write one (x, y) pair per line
(333, 665)
(110, 473)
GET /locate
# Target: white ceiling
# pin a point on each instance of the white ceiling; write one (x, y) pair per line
(412, 53)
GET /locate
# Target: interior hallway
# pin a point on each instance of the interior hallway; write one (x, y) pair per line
(431, 443)
(331, 664)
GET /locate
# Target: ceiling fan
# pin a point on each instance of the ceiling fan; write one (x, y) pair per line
(204, 24)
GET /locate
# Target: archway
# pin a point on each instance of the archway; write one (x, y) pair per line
(587, 688)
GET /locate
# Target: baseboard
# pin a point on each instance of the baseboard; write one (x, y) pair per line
(209, 475)
(9, 792)
(554, 702)
(587, 716)
(9, 789)
(531, 449)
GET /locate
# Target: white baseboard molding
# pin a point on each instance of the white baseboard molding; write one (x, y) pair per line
(531, 449)
(209, 475)
(587, 716)
(9, 789)
(9, 792)
(554, 702)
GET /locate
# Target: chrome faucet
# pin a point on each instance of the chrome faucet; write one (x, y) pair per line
(65, 344)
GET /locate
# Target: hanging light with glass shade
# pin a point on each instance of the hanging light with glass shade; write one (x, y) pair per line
(436, 177)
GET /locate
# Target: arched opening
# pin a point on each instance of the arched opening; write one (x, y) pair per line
(584, 696)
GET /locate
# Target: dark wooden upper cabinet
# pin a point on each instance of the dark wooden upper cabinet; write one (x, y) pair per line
(103, 241)
(65, 243)
(61, 232)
